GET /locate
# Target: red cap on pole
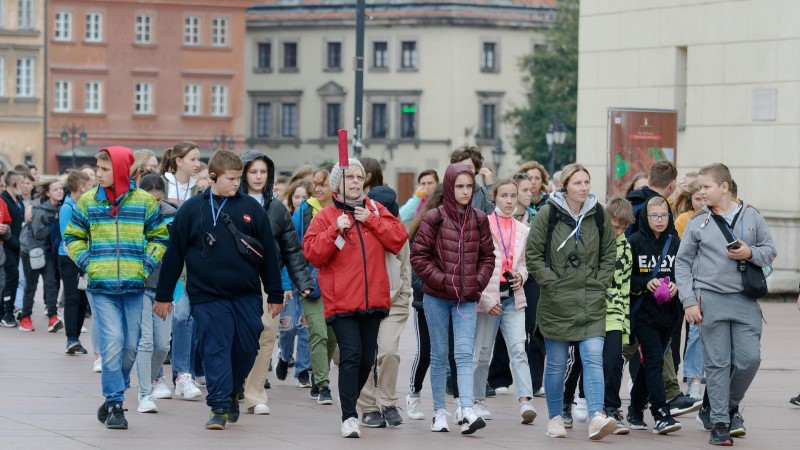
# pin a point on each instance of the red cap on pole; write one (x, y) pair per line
(343, 158)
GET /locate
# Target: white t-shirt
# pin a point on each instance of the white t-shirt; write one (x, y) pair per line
(180, 192)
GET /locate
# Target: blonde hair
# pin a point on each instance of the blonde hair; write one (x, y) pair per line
(657, 201)
(103, 156)
(619, 208)
(569, 171)
(719, 173)
(140, 158)
(683, 201)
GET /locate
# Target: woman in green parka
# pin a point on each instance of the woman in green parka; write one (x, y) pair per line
(573, 281)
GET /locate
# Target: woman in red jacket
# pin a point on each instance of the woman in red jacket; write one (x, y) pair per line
(453, 255)
(347, 241)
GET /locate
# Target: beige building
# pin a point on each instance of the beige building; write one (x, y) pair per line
(22, 75)
(436, 75)
(732, 70)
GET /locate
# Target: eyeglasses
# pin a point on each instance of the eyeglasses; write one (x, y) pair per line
(658, 217)
(355, 177)
(522, 176)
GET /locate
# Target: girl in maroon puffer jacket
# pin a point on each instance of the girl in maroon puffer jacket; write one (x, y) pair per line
(453, 255)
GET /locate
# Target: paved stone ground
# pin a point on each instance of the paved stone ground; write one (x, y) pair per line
(48, 400)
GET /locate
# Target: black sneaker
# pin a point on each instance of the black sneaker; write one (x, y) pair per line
(666, 424)
(304, 379)
(720, 435)
(116, 418)
(233, 408)
(282, 369)
(566, 415)
(704, 418)
(683, 404)
(8, 321)
(267, 385)
(393, 418)
(102, 413)
(217, 420)
(737, 425)
(73, 345)
(795, 400)
(635, 419)
(490, 392)
(314, 393)
(324, 397)
(373, 419)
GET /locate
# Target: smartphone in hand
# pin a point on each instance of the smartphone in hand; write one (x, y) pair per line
(735, 245)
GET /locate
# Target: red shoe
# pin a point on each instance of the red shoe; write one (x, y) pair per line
(54, 324)
(26, 324)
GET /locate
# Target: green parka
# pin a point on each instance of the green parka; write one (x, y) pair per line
(572, 303)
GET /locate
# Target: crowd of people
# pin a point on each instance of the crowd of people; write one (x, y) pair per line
(526, 280)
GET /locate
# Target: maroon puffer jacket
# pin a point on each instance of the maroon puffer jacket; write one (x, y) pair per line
(452, 254)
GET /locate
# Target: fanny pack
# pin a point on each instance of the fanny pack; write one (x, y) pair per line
(249, 247)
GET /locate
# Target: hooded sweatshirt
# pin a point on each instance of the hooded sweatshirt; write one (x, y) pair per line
(638, 199)
(37, 235)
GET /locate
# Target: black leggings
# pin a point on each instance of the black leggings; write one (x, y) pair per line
(422, 359)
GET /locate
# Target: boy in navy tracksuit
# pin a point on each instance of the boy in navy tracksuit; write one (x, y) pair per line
(223, 287)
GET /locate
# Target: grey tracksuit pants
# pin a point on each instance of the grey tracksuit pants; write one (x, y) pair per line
(731, 336)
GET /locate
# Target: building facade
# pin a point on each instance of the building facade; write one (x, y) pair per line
(143, 74)
(436, 76)
(731, 70)
(22, 81)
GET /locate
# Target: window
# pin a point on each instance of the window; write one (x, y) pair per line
(219, 32)
(334, 55)
(264, 55)
(92, 95)
(25, 14)
(191, 100)
(408, 119)
(263, 120)
(489, 56)
(144, 29)
(62, 101)
(219, 100)
(409, 55)
(290, 55)
(191, 31)
(488, 122)
(63, 27)
(333, 119)
(25, 77)
(94, 27)
(289, 120)
(380, 55)
(379, 120)
(144, 98)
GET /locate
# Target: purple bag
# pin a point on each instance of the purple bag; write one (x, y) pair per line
(662, 292)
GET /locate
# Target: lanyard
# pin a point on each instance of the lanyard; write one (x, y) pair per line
(186, 192)
(214, 216)
(502, 239)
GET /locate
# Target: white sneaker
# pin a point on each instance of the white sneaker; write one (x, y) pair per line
(147, 404)
(581, 410)
(481, 410)
(413, 407)
(527, 412)
(98, 365)
(601, 426)
(160, 389)
(350, 428)
(201, 380)
(502, 390)
(186, 388)
(84, 330)
(458, 418)
(260, 409)
(439, 422)
(539, 393)
(555, 428)
(471, 421)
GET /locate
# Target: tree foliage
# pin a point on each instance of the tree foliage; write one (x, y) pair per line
(551, 79)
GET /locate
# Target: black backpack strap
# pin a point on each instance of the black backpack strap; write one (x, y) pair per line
(600, 221)
(552, 220)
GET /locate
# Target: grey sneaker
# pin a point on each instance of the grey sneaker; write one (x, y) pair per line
(392, 417)
(737, 425)
(373, 419)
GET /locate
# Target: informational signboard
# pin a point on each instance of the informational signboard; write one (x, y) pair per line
(637, 138)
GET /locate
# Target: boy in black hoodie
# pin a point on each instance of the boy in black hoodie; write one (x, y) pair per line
(654, 315)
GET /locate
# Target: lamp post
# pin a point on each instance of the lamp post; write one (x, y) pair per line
(497, 156)
(555, 136)
(73, 132)
(225, 140)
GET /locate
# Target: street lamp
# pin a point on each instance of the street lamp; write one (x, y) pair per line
(497, 156)
(225, 140)
(74, 132)
(555, 136)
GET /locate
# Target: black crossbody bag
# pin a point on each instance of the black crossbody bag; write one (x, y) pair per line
(249, 247)
(755, 284)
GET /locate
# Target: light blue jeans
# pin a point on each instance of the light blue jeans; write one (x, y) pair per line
(693, 359)
(438, 313)
(182, 332)
(153, 346)
(20, 286)
(591, 351)
(512, 323)
(290, 327)
(118, 319)
(95, 329)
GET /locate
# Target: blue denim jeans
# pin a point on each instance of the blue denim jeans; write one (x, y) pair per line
(693, 359)
(153, 346)
(290, 327)
(20, 287)
(512, 322)
(95, 329)
(182, 332)
(438, 313)
(118, 319)
(591, 351)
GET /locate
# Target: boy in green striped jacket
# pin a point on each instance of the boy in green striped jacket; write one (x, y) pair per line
(117, 237)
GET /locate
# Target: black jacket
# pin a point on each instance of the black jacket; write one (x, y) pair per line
(17, 219)
(291, 252)
(219, 272)
(387, 197)
(646, 250)
(639, 199)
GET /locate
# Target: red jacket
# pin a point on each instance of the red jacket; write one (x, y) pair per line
(453, 252)
(353, 280)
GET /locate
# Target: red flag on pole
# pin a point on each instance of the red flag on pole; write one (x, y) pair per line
(343, 158)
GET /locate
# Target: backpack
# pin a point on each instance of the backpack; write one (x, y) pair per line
(552, 220)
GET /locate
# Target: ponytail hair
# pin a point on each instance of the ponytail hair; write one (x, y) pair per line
(179, 150)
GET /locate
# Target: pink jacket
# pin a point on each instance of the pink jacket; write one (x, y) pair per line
(491, 295)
